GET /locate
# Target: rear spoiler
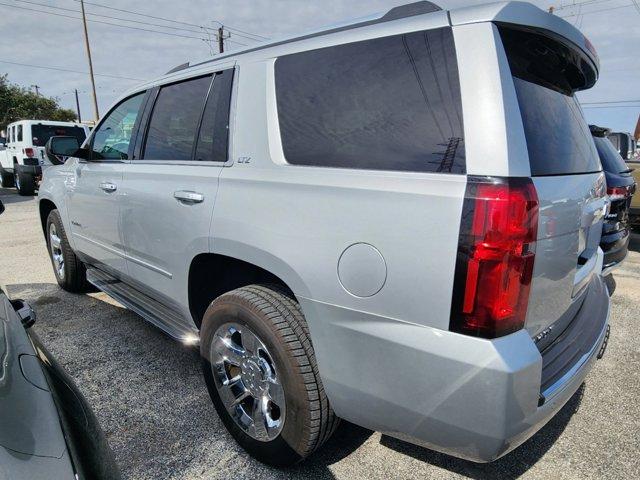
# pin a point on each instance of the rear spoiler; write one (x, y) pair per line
(525, 15)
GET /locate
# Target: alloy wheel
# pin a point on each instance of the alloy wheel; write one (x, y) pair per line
(57, 254)
(247, 381)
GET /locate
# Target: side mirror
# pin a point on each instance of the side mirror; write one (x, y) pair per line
(60, 147)
(26, 313)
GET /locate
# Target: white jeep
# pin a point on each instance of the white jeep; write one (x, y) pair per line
(23, 157)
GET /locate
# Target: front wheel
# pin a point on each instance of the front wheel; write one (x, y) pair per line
(69, 270)
(261, 373)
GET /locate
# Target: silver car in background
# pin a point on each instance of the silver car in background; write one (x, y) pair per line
(395, 222)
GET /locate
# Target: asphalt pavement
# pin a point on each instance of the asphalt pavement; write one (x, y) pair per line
(149, 394)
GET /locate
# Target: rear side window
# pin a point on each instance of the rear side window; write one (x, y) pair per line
(213, 140)
(611, 160)
(174, 121)
(545, 75)
(389, 103)
(19, 133)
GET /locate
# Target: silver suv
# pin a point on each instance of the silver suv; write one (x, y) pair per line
(394, 222)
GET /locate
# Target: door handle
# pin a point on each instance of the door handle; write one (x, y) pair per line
(108, 187)
(188, 197)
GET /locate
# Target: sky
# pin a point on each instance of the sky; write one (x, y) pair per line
(123, 57)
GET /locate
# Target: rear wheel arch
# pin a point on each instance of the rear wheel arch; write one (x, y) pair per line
(212, 275)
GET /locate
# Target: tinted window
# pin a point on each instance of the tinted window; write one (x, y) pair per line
(174, 121)
(42, 133)
(611, 160)
(390, 103)
(546, 73)
(558, 139)
(19, 133)
(111, 139)
(213, 140)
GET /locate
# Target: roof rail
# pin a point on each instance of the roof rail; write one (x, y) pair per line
(182, 66)
(409, 10)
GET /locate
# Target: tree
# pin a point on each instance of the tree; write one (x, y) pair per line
(19, 103)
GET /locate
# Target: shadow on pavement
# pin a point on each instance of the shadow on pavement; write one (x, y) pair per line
(10, 195)
(512, 465)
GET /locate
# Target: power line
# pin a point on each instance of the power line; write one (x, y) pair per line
(613, 106)
(580, 4)
(59, 69)
(107, 16)
(610, 101)
(597, 11)
(171, 20)
(102, 22)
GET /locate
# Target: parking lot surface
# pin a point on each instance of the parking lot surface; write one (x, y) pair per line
(150, 397)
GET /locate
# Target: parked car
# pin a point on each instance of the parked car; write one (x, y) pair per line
(47, 429)
(634, 210)
(624, 144)
(368, 257)
(620, 188)
(23, 159)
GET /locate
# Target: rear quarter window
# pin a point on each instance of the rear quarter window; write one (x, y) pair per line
(389, 103)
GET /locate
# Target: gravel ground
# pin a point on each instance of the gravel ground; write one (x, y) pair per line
(150, 398)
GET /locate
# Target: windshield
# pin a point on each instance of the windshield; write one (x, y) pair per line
(611, 160)
(42, 133)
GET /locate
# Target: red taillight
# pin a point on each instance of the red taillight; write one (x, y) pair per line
(618, 193)
(496, 251)
(29, 152)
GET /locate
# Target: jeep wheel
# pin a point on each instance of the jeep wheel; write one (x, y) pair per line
(262, 376)
(25, 183)
(6, 179)
(68, 269)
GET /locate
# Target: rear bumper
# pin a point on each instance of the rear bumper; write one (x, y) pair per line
(615, 247)
(471, 398)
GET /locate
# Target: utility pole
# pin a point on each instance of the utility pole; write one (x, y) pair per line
(36, 105)
(86, 43)
(78, 106)
(221, 38)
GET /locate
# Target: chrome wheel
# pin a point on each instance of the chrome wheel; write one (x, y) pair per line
(56, 251)
(247, 381)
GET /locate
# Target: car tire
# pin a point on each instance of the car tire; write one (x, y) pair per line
(71, 275)
(286, 357)
(6, 179)
(25, 183)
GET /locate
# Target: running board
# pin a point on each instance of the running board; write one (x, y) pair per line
(166, 319)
